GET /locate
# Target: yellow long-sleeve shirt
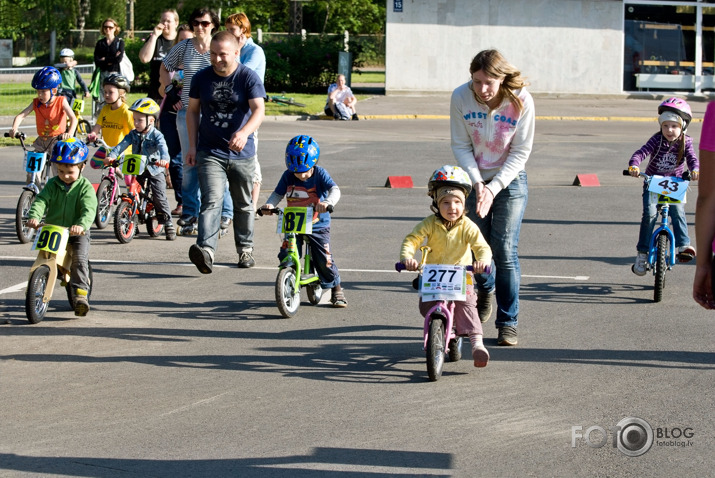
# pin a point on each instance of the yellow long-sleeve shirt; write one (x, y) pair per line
(448, 247)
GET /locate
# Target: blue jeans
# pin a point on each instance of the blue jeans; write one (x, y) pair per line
(167, 126)
(676, 213)
(190, 194)
(213, 176)
(501, 228)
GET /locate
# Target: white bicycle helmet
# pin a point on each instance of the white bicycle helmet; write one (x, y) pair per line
(66, 52)
(449, 176)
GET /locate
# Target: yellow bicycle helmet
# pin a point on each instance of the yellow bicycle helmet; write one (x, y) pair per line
(146, 106)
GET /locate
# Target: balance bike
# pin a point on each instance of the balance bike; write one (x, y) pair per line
(291, 274)
(54, 260)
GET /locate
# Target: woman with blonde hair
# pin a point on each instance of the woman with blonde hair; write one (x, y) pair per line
(492, 129)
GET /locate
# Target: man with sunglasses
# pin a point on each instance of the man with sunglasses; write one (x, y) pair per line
(226, 107)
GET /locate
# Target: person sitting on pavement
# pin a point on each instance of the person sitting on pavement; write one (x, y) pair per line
(341, 102)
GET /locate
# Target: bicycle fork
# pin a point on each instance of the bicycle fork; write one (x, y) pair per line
(448, 312)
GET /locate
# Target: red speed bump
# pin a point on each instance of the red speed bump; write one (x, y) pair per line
(398, 182)
(586, 180)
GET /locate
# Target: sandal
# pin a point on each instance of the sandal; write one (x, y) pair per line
(338, 300)
(686, 254)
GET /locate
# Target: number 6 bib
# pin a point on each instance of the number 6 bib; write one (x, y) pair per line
(133, 164)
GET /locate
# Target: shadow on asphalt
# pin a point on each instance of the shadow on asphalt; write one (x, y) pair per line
(332, 459)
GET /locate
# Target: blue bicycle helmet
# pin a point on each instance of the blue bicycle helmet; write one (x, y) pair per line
(70, 151)
(46, 79)
(302, 153)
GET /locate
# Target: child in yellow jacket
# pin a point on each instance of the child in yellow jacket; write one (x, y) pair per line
(452, 238)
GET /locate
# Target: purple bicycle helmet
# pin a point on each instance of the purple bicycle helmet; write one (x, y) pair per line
(302, 153)
(47, 78)
(679, 107)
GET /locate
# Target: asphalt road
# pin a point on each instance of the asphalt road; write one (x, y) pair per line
(174, 373)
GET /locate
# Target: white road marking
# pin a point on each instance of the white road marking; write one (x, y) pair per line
(373, 271)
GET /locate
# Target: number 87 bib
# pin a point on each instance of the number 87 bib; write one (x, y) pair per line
(296, 220)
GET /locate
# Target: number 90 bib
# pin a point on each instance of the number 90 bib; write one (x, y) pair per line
(51, 239)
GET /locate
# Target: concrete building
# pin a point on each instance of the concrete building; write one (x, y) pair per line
(561, 46)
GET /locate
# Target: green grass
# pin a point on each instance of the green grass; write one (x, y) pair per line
(368, 77)
(313, 106)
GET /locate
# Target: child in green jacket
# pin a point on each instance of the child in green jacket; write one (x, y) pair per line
(69, 200)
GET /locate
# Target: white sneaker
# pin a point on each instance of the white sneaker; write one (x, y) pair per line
(641, 266)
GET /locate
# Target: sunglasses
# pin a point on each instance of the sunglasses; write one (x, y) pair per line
(108, 27)
(204, 24)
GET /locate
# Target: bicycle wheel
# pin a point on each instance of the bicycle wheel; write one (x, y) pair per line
(104, 204)
(24, 234)
(35, 306)
(124, 225)
(455, 349)
(70, 292)
(83, 129)
(660, 267)
(286, 299)
(315, 293)
(435, 348)
(152, 224)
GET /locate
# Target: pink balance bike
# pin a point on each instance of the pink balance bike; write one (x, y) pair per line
(108, 191)
(440, 337)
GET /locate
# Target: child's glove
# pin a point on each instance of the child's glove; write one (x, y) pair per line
(634, 171)
(694, 175)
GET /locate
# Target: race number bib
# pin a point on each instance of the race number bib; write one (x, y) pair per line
(51, 239)
(134, 164)
(296, 220)
(35, 162)
(443, 282)
(669, 189)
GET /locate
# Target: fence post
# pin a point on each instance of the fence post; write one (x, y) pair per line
(346, 40)
(259, 35)
(303, 34)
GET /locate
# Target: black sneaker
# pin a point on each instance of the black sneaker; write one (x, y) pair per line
(507, 336)
(187, 220)
(355, 117)
(484, 305)
(245, 260)
(201, 259)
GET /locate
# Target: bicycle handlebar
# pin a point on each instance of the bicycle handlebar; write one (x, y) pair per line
(686, 175)
(399, 267)
(277, 210)
(18, 135)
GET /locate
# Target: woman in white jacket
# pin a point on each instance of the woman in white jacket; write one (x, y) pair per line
(492, 129)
